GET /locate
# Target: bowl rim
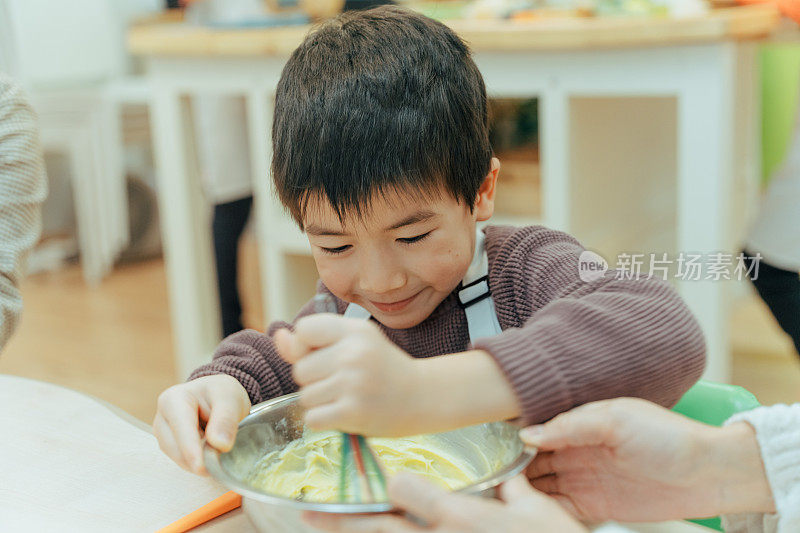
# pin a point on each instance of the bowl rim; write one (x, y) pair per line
(214, 467)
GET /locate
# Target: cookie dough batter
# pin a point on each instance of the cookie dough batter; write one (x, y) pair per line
(309, 468)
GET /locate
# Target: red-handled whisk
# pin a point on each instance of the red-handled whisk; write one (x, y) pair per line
(359, 465)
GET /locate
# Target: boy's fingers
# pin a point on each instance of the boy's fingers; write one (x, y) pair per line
(329, 416)
(320, 393)
(167, 442)
(226, 412)
(181, 415)
(316, 366)
(582, 426)
(289, 346)
(318, 331)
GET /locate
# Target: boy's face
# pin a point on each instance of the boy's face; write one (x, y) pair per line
(404, 256)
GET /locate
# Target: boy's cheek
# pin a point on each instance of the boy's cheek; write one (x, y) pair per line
(335, 277)
(445, 267)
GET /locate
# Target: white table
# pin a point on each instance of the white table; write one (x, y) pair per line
(700, 72)
(69, 462)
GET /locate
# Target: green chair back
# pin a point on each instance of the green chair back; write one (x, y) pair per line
(714, 403)
(780, 87)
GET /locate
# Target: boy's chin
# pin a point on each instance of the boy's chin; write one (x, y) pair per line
(405, 320)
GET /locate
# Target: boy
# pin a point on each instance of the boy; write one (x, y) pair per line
(381, 155)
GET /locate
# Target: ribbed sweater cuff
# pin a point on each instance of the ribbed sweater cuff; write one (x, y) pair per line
(778, 434)
(248, 382)
(539, 385)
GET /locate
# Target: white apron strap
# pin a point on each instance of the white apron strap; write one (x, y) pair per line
(356, 311)
(475, 297)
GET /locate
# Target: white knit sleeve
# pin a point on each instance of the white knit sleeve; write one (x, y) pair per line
(778, 434)
(23, 188)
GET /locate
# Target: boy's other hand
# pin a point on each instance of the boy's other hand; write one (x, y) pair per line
(351, 377)
(210, 406)
(631, 460)
(522, 509)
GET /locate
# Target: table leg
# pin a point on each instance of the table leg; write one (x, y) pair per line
(267, 210)
(194, 304)
(705, 142)
(554, 150)
(87, 199)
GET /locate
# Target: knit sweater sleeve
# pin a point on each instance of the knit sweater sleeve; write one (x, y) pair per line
(778, 435)
(567, 342)
(23, 188)
(251, 357)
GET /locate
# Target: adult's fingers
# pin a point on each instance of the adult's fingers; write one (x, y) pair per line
(587, 425)
(360, 524)
(538, 494)
(547, 484)
(180, 412)
(568, 505)
(419, 497)
(541, 465)
(226, 412)
(516, 489)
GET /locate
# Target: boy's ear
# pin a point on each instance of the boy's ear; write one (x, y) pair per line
(484, 205)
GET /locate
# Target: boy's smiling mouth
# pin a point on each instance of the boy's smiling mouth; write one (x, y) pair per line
(396, 306)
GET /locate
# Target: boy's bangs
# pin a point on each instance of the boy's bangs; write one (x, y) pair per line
(358, 205)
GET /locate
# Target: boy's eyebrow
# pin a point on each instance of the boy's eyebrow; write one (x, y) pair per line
(313, 229)
(419, 216)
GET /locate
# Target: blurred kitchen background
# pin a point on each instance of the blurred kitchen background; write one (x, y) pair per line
(589, 118)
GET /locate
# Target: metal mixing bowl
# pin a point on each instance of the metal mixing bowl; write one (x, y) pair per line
(494, 450)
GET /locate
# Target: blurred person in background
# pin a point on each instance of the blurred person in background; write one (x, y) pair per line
(224, 157)
(23, 188)
(775, 236)
(220, 129)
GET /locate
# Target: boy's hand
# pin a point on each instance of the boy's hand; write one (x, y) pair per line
(522, 509)
(213, 405)
(352, 377)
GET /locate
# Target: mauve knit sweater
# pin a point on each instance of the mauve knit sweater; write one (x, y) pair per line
(564, 343)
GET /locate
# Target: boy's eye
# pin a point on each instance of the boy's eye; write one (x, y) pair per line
(337, 250)
(409, 240)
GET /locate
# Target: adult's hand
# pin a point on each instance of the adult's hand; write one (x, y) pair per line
(630, 460)
(522, 509)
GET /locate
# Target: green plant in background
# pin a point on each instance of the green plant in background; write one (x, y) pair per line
(780, 87)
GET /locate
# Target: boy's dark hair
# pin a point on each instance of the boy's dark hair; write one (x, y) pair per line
(377, 100)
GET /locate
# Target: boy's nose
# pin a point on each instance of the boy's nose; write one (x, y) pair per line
(381, 276)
